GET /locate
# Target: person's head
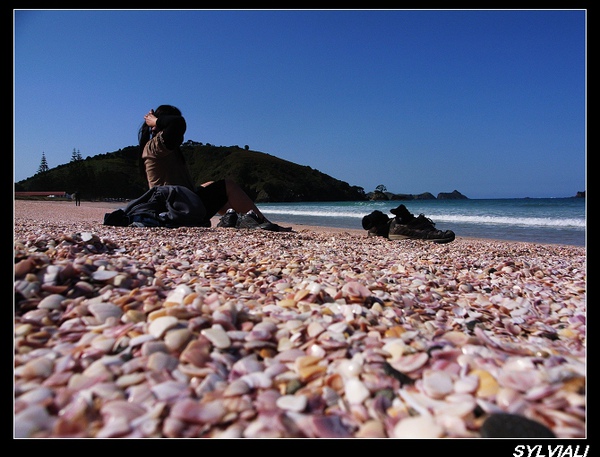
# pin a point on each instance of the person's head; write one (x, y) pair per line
(146, 132)
(167, 110)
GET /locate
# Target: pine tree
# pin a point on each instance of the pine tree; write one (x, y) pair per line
(44, 164)
(74, 156)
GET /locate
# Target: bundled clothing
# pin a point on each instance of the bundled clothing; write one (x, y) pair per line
(162, 206)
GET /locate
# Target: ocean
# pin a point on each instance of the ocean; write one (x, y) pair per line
(536, 220)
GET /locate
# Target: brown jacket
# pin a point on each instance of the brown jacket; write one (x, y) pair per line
(165, 166)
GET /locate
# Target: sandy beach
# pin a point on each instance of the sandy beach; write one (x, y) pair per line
(317, 333)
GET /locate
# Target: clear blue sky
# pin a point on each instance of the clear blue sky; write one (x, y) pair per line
(491, 103)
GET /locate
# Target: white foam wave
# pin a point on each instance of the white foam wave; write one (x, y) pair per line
(456, 218)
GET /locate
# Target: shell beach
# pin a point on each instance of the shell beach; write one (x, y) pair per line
(125, 332)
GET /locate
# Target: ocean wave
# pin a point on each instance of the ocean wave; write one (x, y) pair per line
(573, 223)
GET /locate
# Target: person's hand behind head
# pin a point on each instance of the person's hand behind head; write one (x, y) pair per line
(150, 119)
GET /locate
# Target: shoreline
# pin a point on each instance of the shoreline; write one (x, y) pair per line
(91, 211)
(126, 332)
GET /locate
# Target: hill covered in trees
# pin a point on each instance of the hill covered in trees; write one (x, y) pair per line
(264, 177)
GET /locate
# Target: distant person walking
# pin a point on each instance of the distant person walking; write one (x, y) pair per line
(77, 198)
(162, 163)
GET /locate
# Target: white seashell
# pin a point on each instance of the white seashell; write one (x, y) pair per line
(104, 275)
(395, 348)
(40, 367)
(217, 336)
(257, 380)
(37, 395)
(437, 384)
(296, 403)
(351, 368)
(102, 311)
(177, 338)
(314, 329)
(355, 391)
(466, 384)
(316, 351)
(160, 361)
(103, 343)
(141, 339)
(236, 387)
(132, 379)
(170, 390)
(160, 325)
(178, 295)
(418, 427)
(338, 327)
(52, 301)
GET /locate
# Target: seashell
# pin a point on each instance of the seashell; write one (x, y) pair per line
(160, 325)
(22, 267)
(314, 329)
(236, 387)
(197, 352)
(33, 419)
(466, 384)
(104, 275)
(189, 410)
(176, 339)
(395, 347)
(102, 311)
(39, 395)
(127, 380)
(217, 336)
(40, 367)
(371, 428)
(351, 368)
(355, 289)
(257, 380)
(170, 390)
(161, 361)
(177, 296)
(295, 403)
(488, 386)
(437, 384)
(423, 426)
(53, 301)
(410, 362)
(355, 391)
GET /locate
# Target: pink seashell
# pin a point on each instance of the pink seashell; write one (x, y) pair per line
(171, 390)
(121, 408)
(410, 362)
(437, 384)
(522, 381)
(189, 410)
(355, 289)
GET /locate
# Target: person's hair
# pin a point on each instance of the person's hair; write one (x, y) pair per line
(145, 131)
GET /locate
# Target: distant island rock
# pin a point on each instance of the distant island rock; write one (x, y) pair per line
(379, 195)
